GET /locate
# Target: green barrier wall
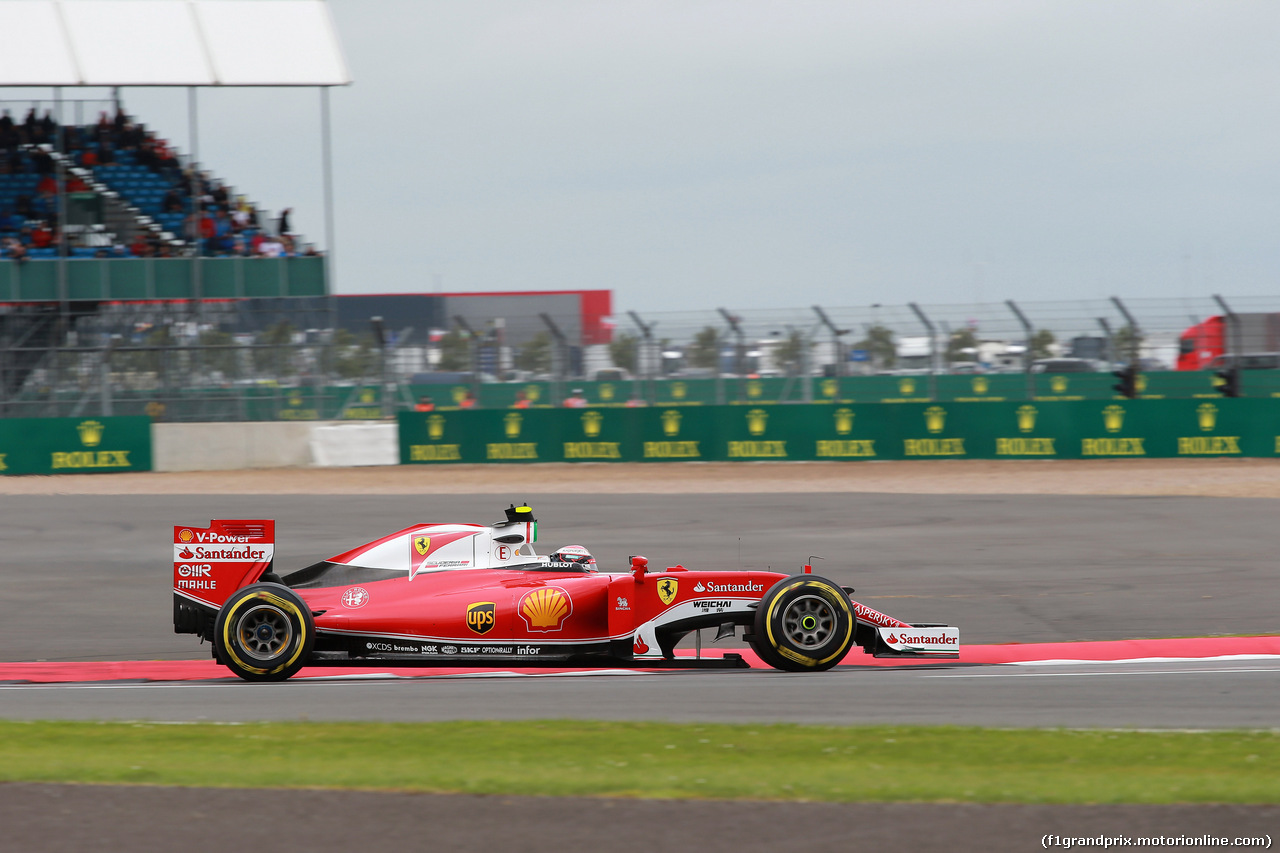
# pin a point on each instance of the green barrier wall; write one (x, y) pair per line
(857, 431)
(162, 278)
(987, 388)
(74, 445)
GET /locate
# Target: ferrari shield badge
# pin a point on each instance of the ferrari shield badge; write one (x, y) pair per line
(667, 589)
(422, 544)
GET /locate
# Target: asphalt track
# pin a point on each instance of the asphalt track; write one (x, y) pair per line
(87, 578)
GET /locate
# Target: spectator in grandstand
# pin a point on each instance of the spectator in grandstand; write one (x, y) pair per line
(173, 202)
(8, 132)
(424, 404)
(13, 249)
(42, 237)
(140, 248)
(270, 248)
(10, 222)
(522, 400)
(468, 400)
(575, 400)
(284, 221)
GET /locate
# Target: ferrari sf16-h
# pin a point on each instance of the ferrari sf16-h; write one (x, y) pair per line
(476, 594)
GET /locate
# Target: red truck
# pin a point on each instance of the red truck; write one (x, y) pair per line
(1198, 346)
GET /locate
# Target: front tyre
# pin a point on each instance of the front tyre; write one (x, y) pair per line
(803, 624)
(264, 632)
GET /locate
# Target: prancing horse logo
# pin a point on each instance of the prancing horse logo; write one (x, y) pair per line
(667, 589)
(422, 544)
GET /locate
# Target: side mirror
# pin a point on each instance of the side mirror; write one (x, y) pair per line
(639, 566)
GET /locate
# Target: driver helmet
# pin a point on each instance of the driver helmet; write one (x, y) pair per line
(577, 556)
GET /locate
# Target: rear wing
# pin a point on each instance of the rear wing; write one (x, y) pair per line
(210, 563)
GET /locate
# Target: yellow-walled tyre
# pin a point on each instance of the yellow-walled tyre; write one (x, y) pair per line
(264, 632)
(803, 624)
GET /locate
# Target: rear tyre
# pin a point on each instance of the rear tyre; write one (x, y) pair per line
(264, 632)
(803, 624)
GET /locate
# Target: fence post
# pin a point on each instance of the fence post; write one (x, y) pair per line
(933, 350)
(1026, 352)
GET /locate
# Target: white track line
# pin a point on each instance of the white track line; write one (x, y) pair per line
(1273, 671)
(1083, 661)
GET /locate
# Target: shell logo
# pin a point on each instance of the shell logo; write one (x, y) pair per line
(844, 421)
(185, 535)
(546, 609)
(906, 386)
(980, 385)
(935, 418)
(511, 424)
(1207, 414)
(591, 424)
(1113, 417)
(671, 422)
(90, 433)
(435, 427)
(756, 421)
(1027, 418)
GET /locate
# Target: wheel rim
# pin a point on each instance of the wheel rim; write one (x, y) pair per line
(264, 631)
(808, 621)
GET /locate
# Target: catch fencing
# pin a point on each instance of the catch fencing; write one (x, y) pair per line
(267, 358)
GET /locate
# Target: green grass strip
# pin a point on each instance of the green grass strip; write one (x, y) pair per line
(783, 762)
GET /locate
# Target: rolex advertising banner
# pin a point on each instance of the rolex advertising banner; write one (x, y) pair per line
(75, 445)
(1043, 429)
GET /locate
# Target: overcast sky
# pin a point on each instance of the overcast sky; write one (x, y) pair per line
(756, 154)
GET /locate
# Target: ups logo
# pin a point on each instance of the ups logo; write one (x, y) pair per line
(830, 387)
(756, 420)
(754, 389)
(481, 616)
(671, 422)
(591, 423)
(679, 390)
(511, 424)
(606, 391)
(906, 386)
(435, 427)
(980, 385)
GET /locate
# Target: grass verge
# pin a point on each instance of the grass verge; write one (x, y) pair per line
(920, 763)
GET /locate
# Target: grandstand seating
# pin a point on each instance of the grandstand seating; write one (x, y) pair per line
(140, 189)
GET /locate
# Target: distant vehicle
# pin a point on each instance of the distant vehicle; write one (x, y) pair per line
(1248, 361)
(1064, 365)
(1198, 346)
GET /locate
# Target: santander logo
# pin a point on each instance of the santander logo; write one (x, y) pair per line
(891, 639)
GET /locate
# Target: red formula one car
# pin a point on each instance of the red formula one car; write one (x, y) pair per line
(438, 594)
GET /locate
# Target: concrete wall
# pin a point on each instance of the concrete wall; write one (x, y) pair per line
(270, 444)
